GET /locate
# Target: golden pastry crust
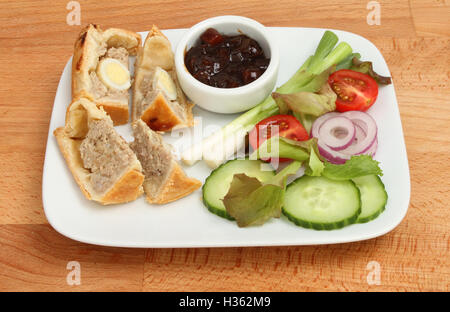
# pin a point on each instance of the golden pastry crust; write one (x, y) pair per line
(159, 115)
(178, 185)
(70, 150)
(118, 113)
(127, 188)
(88, 48)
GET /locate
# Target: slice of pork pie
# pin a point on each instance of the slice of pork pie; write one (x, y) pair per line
(165, 180)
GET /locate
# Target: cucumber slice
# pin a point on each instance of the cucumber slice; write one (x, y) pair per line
(321, 203)
(218, 183)
(373, 197)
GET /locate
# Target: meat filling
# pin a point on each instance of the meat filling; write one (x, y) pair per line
(105, 154)
(155, 157)
(120, 54)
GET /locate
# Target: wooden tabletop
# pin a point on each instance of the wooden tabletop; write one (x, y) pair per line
(35, 44)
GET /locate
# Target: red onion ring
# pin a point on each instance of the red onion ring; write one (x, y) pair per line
(337, 132)
(338, 158)
(334, 157)
(368, 125)
(364, 141)
(319, 121)
(360, 135)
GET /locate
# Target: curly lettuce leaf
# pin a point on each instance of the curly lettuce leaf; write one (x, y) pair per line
(356, 166)
(252, 202)
(307, 106)
(307, 103)
(367, 68)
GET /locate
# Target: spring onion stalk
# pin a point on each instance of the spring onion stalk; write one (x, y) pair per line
(326, 45)
(222, 144)
(342, 50)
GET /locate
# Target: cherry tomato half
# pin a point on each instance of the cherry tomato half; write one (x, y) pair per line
(355, 90)
(287, 127)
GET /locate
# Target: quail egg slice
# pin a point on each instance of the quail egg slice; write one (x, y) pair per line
(114, 74)
(162, 81)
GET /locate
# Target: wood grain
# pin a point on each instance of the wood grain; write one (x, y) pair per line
(35, 44)
(431, 17)
(34, 257)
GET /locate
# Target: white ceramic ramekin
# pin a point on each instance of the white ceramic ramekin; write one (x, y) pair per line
(232, 100)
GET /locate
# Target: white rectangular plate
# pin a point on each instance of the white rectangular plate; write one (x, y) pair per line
(186, 222)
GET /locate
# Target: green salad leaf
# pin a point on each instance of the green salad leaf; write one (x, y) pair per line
(367, 68)
(356, 166)
(253, 202)
(250, 202)
(309, 104)
(280, 147)
(315, 166)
